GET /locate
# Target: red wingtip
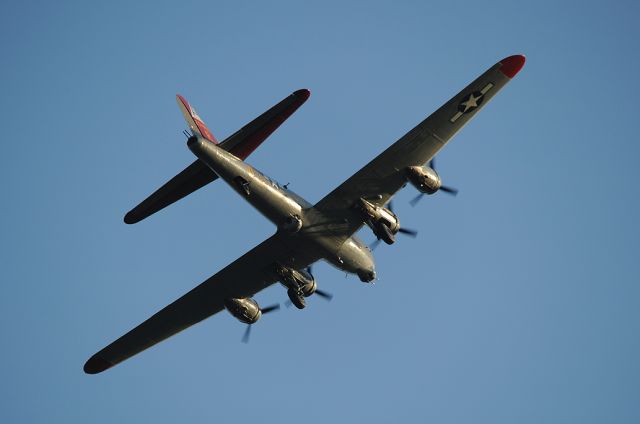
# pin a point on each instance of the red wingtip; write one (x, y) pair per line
(511, 65)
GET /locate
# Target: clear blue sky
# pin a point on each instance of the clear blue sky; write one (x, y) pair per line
(518, 302)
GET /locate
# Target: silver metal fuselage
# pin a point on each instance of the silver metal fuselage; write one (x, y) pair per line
(279, 205)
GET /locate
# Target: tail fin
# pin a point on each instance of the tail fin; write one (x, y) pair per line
(196, 123)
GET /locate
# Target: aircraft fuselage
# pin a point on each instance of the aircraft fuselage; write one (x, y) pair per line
(286, 209)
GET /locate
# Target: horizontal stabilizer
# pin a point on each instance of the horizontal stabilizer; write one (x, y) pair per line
(193, 177)
(242, 143)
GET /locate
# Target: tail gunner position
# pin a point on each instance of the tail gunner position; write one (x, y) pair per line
(305, 233)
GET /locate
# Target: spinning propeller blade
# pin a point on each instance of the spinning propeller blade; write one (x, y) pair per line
(270, 308)
(323, 294)
(452, 191)
(416, 199)
(247, 332)
(408, 232)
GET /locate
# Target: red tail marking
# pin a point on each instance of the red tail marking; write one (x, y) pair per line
(250, 144)
(198, 121)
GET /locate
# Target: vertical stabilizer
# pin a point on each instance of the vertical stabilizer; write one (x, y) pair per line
(194, 121)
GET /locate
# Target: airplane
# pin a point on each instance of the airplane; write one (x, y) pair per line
(305, 232)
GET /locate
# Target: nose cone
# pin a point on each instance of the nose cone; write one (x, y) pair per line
(367, 276)
(356, 258)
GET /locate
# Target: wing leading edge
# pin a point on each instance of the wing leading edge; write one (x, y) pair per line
(242, 143)
(381, 178)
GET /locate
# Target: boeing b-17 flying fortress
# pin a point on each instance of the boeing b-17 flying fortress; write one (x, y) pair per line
(305, 233)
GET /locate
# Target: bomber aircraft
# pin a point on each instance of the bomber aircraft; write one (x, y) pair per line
(305, 233)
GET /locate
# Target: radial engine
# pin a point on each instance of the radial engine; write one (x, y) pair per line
(384, 223)
(424, 178)
(299, 283)
(245, 309)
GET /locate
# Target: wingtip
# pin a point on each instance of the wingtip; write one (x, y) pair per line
(302, 93)
(96, 364)
(131, 218)
(511, 65)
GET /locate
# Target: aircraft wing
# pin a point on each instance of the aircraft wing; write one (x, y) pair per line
(242, 143)
(381, 178)
(243, 278)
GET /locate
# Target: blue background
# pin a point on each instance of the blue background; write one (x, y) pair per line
(518, 302)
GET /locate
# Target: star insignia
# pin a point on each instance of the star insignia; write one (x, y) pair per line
(471, 102)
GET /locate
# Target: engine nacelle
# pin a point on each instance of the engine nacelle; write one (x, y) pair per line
(378, 214)
(384, 223)
(299, 281)
(425, 179)
(246, 310)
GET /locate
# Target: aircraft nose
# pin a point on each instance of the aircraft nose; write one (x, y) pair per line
(366, 276)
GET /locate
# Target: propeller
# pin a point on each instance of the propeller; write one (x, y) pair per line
(270, 308)
(247, 332)
(323, 294)
(406, 231)
(413, 202)
(450, 190)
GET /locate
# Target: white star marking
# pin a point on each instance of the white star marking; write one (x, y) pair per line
(472, 102)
